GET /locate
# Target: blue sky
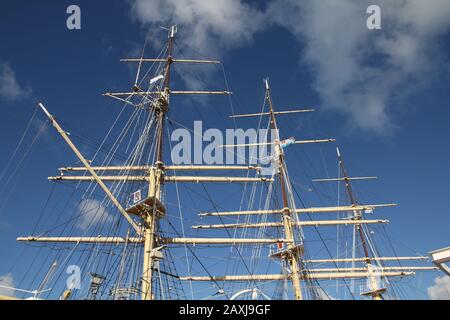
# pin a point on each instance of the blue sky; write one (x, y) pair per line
(382, 94)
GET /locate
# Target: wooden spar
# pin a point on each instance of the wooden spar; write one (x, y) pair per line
(202, 92)
(169, 167)
(120, 240)
(8, 298)
(173, 60)
(213, 167)
(259, 277)
(91, 171)
(304, 210)
(403, 268)
(307, 276)
(199, 241)
(93, 239)
(268, 113)
(344, 179)
(194, 179)
(214, 179)
(339, 260)
(108, 168)
(102, 178)
(145, 93)
(280, 224)
(272, 143)
(238, 213)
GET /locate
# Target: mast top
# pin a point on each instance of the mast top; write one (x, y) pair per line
(266, 81)
(45, 110)
(172, 31)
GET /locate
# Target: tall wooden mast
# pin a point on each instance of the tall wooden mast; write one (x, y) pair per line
(156, 178)
(354, 202)
(374, 289)
(292, 255)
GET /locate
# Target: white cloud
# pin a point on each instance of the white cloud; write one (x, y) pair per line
(206, 25)
(364, 74)
(7, 281)
(361, 72)
(9, 87)
(91, 213)
(441, 289)
(207, 29)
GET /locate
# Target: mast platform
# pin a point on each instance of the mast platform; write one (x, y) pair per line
(146, 206)
(288, 252)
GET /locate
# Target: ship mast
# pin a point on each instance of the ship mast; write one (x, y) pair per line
(292, 253)
(156, 178)
(375, 290)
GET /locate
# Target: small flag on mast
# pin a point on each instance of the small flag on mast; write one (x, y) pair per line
(287, 142)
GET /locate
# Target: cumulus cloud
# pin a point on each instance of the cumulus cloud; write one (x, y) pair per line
(9, 87)
(364, 74)
(7, 281)
(206, 25)
(207, 30)
(441, 289)
(92, 212)
(359, 71)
